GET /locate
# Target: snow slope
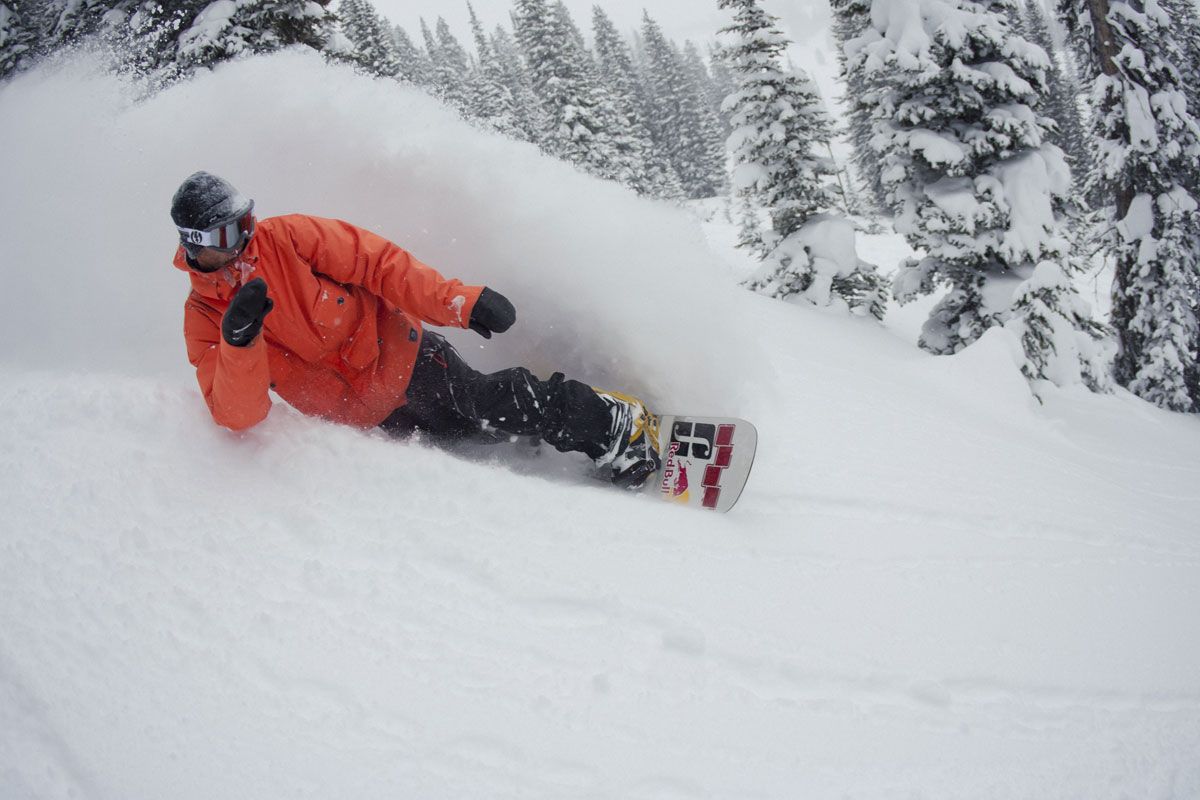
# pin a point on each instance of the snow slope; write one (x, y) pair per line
(932, 587)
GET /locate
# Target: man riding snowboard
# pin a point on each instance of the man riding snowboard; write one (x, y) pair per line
(344, 340)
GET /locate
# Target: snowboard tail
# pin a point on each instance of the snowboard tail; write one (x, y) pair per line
(706, 461)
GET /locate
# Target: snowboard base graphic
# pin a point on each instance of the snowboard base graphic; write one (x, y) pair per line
(705, 460)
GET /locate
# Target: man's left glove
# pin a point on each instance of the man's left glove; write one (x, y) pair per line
(244, 318)
(492, 314)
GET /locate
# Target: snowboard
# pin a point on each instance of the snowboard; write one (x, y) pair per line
(705, 460)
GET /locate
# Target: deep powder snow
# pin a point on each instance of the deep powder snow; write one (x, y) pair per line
(933, 586)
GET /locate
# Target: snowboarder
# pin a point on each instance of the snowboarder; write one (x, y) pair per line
(329, 315)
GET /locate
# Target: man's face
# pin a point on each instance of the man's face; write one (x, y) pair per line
(210, 259)
(211, 249)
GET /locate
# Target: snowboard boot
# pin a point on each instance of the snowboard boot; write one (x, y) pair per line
(632, 453)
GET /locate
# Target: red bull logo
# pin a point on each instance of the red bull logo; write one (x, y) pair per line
(675, 476)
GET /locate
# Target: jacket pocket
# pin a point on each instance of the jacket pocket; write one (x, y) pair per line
(336, 311)
(361, 348)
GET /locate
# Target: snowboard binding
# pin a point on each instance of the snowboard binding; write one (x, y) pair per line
(633, 453)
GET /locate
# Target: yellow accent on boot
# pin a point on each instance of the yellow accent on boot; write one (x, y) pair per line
(646, 421)
(643, 422)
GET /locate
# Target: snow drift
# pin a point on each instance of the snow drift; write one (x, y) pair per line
(933, 586)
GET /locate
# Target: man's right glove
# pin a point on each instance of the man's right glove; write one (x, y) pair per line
(492, 314)
(244, 318)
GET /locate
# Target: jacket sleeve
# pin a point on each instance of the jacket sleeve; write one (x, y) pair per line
(234, 380)
(354, 256)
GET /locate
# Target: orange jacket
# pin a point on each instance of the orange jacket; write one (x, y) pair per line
(343, 336)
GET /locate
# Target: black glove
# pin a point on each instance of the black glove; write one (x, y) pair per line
(244, 318)
(492, 314)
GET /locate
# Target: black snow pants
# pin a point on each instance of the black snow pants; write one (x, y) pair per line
(451, 401)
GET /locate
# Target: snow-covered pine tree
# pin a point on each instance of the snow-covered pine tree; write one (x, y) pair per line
(586, 128)
(431, 48)
(777, 123)
(1148, 143)
(140, 35)
(680, 120)
(148, 44)
(71, 21)
(1061, 100)
(848, 199)
(1185, 25)
(700, 77)
(374, 47)
(566, 23)
(776, 129)
(1185, 16)
(850, 20)
(555, 79)
(19, 37)
(415, 66)
(224, 30)
(163, 40)
(750, 224)
(613, 60)
(966, 161)
(723, 84)
(615, 68)
(284, 23)
(1062, 341)
(491, 101)
(530, 116)
(451, 66)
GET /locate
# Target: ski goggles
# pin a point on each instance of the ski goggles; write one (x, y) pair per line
(228, 236)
